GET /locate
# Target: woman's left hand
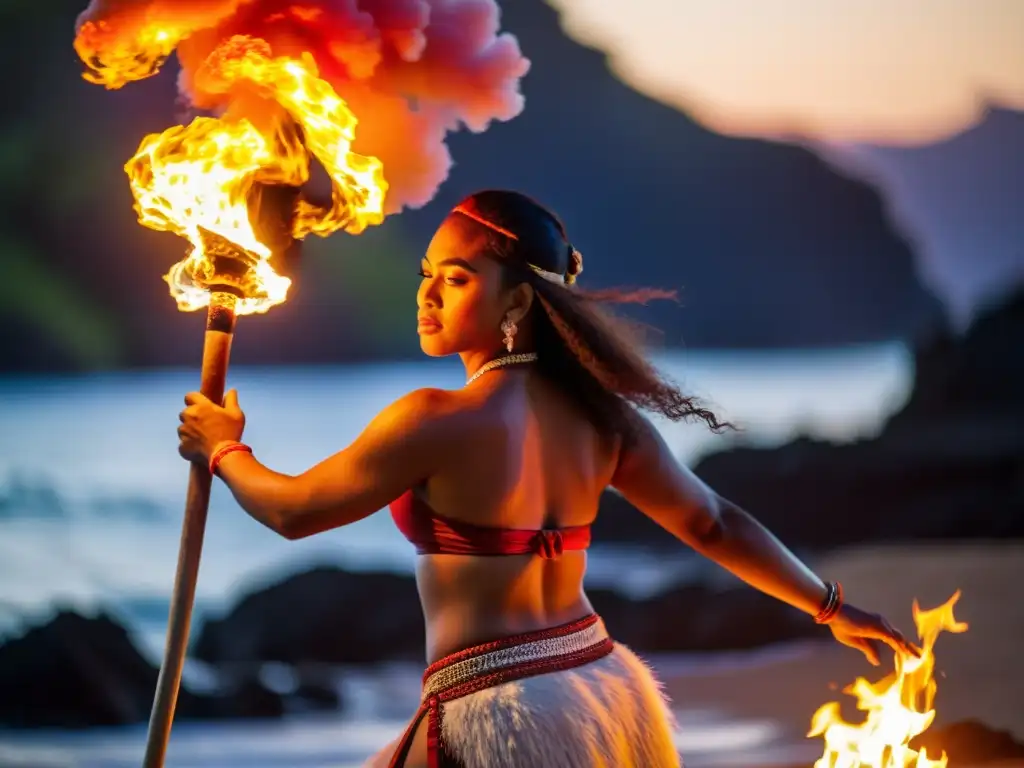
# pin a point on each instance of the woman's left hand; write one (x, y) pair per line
(869, 633)
(204, 424)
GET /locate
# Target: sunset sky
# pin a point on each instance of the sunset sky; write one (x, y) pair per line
(891, 91)
(881, 71)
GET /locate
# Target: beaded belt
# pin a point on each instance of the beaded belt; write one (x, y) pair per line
(490, 664)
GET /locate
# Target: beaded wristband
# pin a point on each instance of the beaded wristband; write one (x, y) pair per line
(833, 602)
(224, 450)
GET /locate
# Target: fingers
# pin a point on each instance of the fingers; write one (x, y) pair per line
(231, 400)
(893, 643)
(868, 647)
(183, 442)
(198, 398)
(900, 644)
(896, 640)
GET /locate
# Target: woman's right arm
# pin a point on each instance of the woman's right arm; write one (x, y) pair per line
(652, 480)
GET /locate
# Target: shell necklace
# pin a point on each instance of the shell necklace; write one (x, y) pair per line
(523, 357)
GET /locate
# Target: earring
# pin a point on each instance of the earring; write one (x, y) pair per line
(509, 328)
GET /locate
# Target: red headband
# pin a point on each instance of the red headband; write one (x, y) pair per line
(575, 257)
(466, 211)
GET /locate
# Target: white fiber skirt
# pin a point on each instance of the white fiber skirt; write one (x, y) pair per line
(564, 698)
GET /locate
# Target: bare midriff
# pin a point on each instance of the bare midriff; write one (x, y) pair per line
(468, 600)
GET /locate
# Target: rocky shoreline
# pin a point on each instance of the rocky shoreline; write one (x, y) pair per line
(75, 672)
(949, 465)
(80, 672)
(329, 615)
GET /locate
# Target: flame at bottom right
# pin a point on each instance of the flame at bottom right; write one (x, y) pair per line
(898, 707)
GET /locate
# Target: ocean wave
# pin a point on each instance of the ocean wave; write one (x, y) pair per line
(31, 496)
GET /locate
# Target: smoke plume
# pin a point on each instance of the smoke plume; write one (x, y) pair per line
(411, 70)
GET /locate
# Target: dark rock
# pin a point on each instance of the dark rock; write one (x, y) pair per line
(334, 616)
(698, 618)
(983, 369)
(948, 465)
(618, 522)
(324, 614)
(246, 699)
(970, 743)
(76, 672)
(316, 695)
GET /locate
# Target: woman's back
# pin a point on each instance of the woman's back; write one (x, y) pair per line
(520, 456)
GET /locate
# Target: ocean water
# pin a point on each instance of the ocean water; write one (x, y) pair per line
(92, 488)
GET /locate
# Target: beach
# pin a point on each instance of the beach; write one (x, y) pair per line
(980, 673)
(738, 709)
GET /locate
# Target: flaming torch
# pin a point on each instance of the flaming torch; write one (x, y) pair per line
(899, 707)
(202, 181)
(234, 184)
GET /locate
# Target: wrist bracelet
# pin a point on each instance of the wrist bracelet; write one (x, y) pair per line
(224, 449)
(833, 602)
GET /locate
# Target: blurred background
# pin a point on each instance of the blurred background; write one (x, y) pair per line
(835, 191)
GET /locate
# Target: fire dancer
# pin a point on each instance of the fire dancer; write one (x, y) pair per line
(497, 483)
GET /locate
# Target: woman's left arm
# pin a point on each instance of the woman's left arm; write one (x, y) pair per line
(398, 449)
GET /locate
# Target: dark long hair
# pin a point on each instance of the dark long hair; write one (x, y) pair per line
(585, 350)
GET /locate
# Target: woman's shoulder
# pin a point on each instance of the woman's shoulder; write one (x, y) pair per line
(423, 414)
(430, 404)
(427, 401)
(433, 412)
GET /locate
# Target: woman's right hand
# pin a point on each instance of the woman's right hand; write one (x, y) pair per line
(867, 631)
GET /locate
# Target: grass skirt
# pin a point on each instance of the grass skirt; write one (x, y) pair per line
(567, 697)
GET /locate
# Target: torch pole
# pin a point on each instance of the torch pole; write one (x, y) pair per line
(220, 326)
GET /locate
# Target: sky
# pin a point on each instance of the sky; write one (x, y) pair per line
(874, 86)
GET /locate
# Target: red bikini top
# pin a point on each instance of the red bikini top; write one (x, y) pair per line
(434, 534)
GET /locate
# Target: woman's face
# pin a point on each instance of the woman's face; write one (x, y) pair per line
(461, 301)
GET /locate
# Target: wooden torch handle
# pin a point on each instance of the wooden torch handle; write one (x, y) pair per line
(220, 325)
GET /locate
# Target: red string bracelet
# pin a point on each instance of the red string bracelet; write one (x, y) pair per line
(224, 450)
(833, 602)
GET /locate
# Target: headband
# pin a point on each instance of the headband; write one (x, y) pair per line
(575, 257)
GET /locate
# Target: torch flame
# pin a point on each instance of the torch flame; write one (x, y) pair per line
(121, 64)
(196, 179)
(899, 707)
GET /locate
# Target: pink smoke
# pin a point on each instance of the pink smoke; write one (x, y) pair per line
(411, 70)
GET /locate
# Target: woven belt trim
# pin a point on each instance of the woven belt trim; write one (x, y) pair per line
(552, 648)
